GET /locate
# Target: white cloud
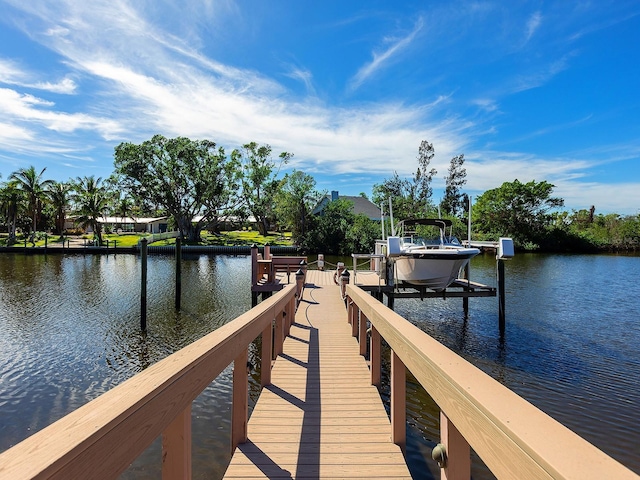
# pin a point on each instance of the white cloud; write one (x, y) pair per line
(542, 76)
(28, 108)
(533, 23)
(12, 74)
(305, 76)
(66, 86)
(381, 58)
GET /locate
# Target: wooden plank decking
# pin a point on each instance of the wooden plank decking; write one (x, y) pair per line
(320, 417)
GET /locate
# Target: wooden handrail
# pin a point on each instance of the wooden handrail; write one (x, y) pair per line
(103, 437)
(514, 438)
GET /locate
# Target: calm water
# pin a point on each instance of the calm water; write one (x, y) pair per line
(69, 331)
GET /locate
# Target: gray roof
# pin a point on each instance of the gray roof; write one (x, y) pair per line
(360, 205)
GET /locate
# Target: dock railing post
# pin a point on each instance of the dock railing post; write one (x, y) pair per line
(266, 355)
(176, 447)
(299, 284)
(279, 335)
(458, 453)
(398, 402)
(344, 281)
(240, 402)
(375, 357)
(357, 314)
(303, 267)
(362, 335)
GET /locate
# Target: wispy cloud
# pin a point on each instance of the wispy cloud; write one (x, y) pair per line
(305, 76)
(550, 129)
(542, 76)
(12, 74)
(393, 47)
(533, 23)
(486, 104)
(20, 107)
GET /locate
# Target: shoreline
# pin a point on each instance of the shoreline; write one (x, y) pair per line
(151, 249)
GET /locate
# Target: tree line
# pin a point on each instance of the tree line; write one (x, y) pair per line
(198, 186)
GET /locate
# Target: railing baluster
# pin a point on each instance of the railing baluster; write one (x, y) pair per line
(375, 357)
(362, 335)
(288, 316)
(354, 323)
(176, 447)
(240, 402)
(458, 465)
(267, 355)
(279, 333)
(398, 402)
(350, 309)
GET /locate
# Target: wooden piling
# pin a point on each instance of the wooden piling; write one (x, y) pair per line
(501, 296)
(178, 272)
(143, 285)
(467, 276)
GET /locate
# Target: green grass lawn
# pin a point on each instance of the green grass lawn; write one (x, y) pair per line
(246, 237)
(239, 237)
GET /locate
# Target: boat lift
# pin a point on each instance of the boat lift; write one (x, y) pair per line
(380, 280)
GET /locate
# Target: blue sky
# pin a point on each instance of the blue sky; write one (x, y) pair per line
(528, 90)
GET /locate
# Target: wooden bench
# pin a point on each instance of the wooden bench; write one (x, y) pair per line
(288, 264)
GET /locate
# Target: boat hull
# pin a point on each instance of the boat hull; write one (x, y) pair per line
(434, 269)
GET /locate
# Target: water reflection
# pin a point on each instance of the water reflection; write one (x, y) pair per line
(70, 330)
(570, 345)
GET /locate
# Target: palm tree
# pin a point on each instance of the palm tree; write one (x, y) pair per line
(92, 202)
(11, 199)
(59, 196)
(31, 182)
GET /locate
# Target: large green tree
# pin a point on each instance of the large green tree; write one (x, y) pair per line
(453, 202)
(294, 201)
(34, 186)
(187, 178)
(338, 231)
(259, 181)
(518, 210)
(409, 197)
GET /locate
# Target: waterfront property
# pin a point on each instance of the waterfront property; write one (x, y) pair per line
(127, 224)
(513, 438)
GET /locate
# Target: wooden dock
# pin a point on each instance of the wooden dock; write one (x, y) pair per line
(320, 417)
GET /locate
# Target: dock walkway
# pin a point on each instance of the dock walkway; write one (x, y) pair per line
(320, 417)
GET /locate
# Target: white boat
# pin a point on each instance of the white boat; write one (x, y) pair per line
(424, 261)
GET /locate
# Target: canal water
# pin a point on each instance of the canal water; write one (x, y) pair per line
(70, 330)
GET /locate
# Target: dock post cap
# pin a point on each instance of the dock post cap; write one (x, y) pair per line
(505, 250)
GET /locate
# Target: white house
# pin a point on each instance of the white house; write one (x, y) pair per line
(129, 224)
